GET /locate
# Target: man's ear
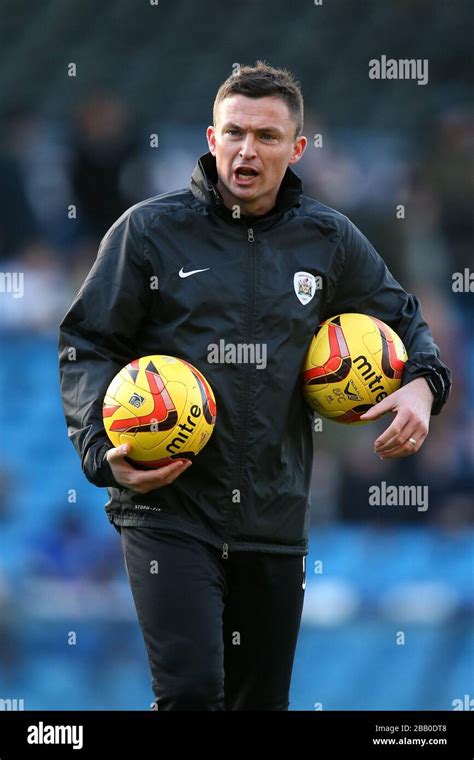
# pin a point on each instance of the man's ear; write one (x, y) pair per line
(298, 149)
(211, 139)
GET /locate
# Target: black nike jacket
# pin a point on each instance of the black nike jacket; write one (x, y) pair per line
(249, 488)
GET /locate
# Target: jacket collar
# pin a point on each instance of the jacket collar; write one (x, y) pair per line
(203, 187)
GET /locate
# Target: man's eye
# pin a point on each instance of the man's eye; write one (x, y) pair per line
(267, 136)
(232, 131)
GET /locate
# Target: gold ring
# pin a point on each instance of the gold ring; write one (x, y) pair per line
(412, 442)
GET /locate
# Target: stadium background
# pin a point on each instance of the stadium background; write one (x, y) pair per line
(85, 140)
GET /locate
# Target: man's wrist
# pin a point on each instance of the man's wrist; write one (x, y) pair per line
(438, 379)
(431, 385)
(423, 382)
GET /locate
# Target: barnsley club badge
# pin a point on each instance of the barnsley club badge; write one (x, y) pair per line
(305, 286)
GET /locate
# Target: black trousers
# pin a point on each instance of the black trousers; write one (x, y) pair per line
(220, 633)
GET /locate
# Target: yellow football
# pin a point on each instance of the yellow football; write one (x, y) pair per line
(163, 407)
(353, 362)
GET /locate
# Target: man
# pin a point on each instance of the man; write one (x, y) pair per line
(220, 618)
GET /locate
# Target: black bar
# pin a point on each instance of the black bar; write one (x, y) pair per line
(318, 734)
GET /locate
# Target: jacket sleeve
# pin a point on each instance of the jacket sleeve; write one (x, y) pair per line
(97, 338)
(363, 283)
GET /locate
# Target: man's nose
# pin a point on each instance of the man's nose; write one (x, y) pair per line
(247, 150)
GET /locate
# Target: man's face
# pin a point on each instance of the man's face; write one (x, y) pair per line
(253, 142)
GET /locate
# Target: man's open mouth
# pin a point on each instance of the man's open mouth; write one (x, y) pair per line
(244, 174)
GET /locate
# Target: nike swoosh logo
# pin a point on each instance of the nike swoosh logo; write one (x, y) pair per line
(193, 271)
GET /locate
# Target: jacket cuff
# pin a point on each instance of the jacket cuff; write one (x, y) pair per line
(437, 375)
(97, 469)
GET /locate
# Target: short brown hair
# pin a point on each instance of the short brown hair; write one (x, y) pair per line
(262, 81)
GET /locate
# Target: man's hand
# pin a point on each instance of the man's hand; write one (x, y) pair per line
(142, 480)
(412, 406)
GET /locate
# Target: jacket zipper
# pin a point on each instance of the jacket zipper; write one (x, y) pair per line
(252, 288)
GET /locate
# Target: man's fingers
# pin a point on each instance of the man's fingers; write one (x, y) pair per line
(399, 434)
(161, 473)
(395, 434)
(384, 406)
(144, 481)
(406, 449)
(115, 455)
